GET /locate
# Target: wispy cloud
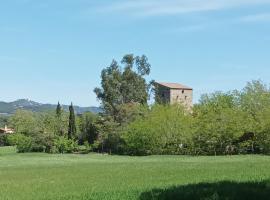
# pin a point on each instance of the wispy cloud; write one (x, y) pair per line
(262, 17)
(173, 7)
(187, 29)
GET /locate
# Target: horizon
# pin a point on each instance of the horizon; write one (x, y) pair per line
(55, 51)
(45, 103)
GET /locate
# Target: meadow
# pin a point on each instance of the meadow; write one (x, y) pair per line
(37, 176)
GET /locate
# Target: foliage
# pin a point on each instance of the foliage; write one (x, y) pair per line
(163, 130)
(4, 140)
(42, 128)
(88, 132)
(22, 142)
(72, 129)
(108, 135)
(24, 122)
(235, 122)
(61, 121)
(64, 145)
(122, 86)
(3, 120)
(58, 110)
(221, 123)
(218, 123)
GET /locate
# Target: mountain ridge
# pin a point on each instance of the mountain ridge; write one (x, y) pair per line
(9, 108)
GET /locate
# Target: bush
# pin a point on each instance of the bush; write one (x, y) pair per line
(164, 130)
(3, 140)
(63, 145)
(22, 142)
(43, 143)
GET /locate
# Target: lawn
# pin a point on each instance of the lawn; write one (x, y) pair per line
(94, 176)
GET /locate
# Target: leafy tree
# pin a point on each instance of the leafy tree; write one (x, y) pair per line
(24, 122)
(254, 100)
(72, 130)
(60, 125)
(123, 85)
(218, 124)
(108, 135)
(3, 120)
(87, 128)
(165, 129)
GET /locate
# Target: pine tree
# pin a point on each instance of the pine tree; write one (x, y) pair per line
(72, 123)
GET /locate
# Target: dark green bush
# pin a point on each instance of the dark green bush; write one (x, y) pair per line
(4, 140)
(22, 142)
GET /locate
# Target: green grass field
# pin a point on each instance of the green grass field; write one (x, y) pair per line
(66, 177)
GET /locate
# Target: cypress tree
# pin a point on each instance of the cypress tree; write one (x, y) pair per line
(59, 122)
(72, 123)
(58, 110)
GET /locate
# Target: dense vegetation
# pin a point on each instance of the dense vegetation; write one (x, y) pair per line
(33, 176)
(236, 122)
(221, 123)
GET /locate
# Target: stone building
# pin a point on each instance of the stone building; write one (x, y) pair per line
(174, 93)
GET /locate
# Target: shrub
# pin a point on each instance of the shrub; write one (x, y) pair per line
(22, 142)
(164, 130)
(3, 140)
(63, 145)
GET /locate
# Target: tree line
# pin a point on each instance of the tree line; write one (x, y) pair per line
(234, 122)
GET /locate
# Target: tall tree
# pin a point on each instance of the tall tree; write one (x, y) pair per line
(24, 122)
(59, 122)
(124, 84)
(87, 127)
(72, 123)
(58, 110)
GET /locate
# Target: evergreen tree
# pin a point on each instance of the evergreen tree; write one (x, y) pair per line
(72, 123)
(59, 125)
(58, 110)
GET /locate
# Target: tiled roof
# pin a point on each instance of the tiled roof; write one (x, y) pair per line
(174, 85)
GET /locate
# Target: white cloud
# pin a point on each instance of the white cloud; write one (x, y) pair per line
(173, 7)
(262, 17)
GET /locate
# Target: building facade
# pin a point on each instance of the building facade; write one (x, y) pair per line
(6, 130)
(174, 93)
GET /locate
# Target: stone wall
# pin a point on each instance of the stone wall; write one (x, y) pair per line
(163, 95)
(183, 96)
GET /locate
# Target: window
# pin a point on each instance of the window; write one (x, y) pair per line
(183, 91)
(185, 97)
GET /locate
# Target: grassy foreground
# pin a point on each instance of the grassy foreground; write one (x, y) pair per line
(69, 177)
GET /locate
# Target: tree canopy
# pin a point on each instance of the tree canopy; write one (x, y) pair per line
(124, 84)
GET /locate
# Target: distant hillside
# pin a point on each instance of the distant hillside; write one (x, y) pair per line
(11, 107)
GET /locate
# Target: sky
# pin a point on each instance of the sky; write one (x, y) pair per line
(54, 50)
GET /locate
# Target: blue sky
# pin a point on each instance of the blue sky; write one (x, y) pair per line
(54, 50)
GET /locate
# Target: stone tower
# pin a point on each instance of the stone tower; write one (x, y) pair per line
(174, 93)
